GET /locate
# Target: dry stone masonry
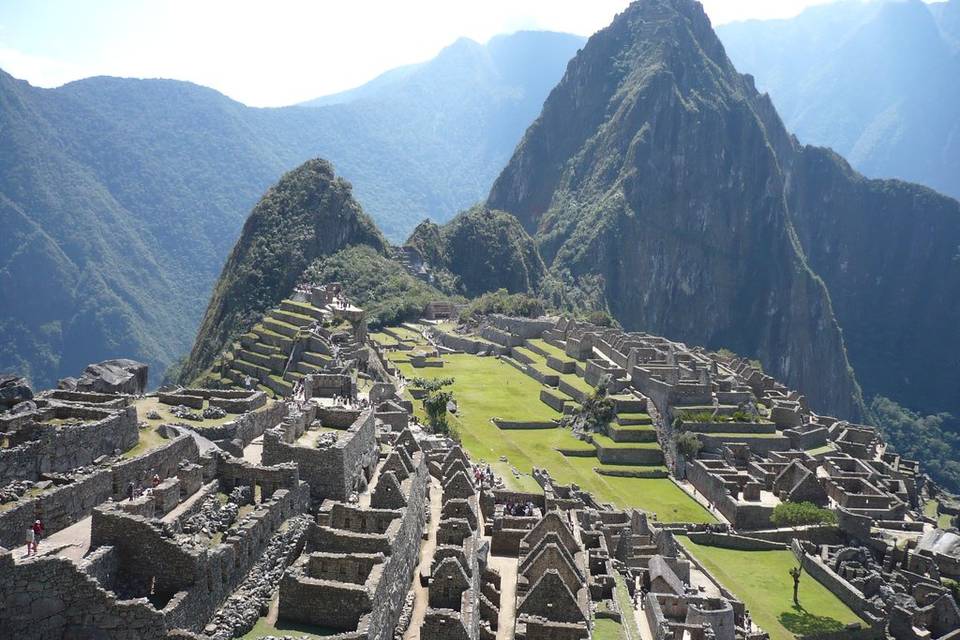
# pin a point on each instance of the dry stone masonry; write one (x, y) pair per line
(298, 490)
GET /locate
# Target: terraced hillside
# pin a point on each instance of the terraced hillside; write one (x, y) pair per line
(279, 350)
(508, 413)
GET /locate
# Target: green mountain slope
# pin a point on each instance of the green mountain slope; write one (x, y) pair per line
(651, 182)
(308, 214)
(874, 81)
(658, 183)
(128, 194)
(485, 250)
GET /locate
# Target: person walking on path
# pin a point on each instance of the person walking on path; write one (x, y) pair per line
(37, 534)
(30, 541)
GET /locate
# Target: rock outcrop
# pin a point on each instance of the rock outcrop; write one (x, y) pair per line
(13, 391)
(110, 376)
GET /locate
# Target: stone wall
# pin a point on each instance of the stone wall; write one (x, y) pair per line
(72, 502)
(846, 592)
(526, 328)
(333, 472)
(190, 582)
(60, 448)
(238, 433)
(51, 597)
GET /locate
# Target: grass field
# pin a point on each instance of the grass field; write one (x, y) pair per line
(148, 404)
(485, 388)
(149, 440)
(930, 510)
(762, 581)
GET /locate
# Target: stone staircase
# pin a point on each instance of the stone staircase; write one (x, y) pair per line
(288, 343)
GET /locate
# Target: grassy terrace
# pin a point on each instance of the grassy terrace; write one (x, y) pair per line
(148, 404)
(930, 510)
(607, 443)
(577, 382)
(551, 350)
(761, 580)
(486, 388)
(149, 440)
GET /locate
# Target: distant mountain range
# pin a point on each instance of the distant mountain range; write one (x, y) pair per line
(122, 197)
(874, 81)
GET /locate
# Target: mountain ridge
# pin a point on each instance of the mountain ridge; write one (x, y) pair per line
(141, 188)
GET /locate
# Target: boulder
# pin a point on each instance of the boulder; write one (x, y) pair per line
(13, 390)
(114, 376)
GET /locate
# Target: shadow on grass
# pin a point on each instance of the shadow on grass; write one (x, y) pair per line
(801, 622)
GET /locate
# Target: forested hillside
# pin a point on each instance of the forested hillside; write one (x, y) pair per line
(123, 197)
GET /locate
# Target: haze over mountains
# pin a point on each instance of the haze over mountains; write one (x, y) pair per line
(657, 183)
(123, 196)
(874, 81)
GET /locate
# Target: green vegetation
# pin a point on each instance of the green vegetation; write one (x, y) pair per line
(149, 439)
(933, 439)
(596, 412)
(500, 301)
(799, 514)
(689, 444)
(481, 250)
(932, 510)
(762, 580)
(287, 230)
(607, 629)
(486, 388)
(435, 403)
(381, 286)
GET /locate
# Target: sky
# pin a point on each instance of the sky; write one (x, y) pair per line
(280, 52)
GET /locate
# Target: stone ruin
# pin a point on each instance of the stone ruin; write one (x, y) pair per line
(336, 504)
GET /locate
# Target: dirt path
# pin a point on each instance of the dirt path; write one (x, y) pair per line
(72, 543)
(253, 452)
(420, 593)
(507, 568)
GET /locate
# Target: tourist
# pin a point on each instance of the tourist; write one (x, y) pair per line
(131, 488)
(37, 529)
(156, 480)
(31, 541)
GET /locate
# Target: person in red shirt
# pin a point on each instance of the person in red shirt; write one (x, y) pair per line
(37, 534)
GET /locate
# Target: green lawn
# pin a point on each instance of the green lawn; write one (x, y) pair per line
(149, 440)
(607, 629)
(551, 350)
(577, 382)
(930, 510)
(486, 388)
(762, 581)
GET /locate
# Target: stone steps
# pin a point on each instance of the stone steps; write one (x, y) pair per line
(291, 318)
(281, 327)
(302, 308)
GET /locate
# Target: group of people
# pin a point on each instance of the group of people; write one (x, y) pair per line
(134, 491)
(482, 475)
(520, 509)
(350, 403)
(34, 534)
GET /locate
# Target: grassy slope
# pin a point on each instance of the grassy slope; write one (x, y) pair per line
(487, 388)
(761, 580)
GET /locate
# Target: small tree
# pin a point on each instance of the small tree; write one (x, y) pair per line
(597, 410)
(435, 402)
(795, 573)
(689, 444)
(799, 514)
